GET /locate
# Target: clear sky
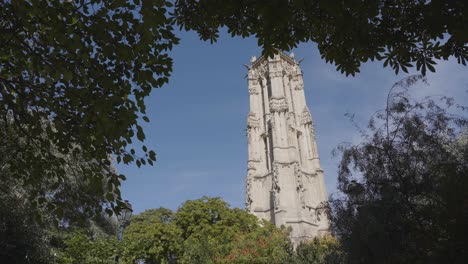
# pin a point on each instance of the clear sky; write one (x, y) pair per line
(198, 120)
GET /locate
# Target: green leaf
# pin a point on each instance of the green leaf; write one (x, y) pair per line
(110, 197)
(140, 133)
(67, 75)
(430, 67)
(152, 155)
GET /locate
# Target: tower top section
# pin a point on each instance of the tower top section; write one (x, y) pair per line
(280, 65)
(278, 56)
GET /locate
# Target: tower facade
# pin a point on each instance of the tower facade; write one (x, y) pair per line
(285, 183)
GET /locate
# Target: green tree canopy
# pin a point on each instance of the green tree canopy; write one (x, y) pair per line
(265, 245)
(399, 33)
(22, 239)
(28, 227)
(153, 237)
(73, 78)
(403, 189)
(320, 251)
(205, 230)
(79, 248)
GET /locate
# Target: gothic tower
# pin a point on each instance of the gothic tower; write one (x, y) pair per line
(285, 183)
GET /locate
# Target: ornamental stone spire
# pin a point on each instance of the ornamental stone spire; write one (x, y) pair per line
(285, 183)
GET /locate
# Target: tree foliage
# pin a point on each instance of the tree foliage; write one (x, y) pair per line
(320, 251)
(153, 238)
(70, 198)
(22, 239)
(265, 245)
(79, 248)
(403, 189)
(206, 230)
(73, 78)
(29, 230)
(399, 33)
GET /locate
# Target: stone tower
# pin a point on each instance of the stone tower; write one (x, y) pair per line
(284, 181)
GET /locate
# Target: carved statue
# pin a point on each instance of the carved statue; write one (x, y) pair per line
(248, 199)
(276, 186)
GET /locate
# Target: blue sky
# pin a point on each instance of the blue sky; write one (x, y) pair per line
(198, 120)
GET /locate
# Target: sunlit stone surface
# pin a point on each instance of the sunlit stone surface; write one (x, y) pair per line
(284, 181)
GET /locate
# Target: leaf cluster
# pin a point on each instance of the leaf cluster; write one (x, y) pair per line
(320, 250)
(25, 239)
(402, 34)
(73, 78)
(80, 248)
(22, 239)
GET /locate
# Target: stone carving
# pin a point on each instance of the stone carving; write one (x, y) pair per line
(276, 186)
(248, 199)
(299, 184)
(309, 175)
(287, 67)
(275, 177)
(253, 121)
(276, 74)
(298, 176)
(262, 71)
(297, 70)
(267, 117)
(253, 81)
(291, 119)
(276, 200)
(252, 74)
(291, 129)
(274, 67)
(251, 165)
(253, 90)
(276, 57)
(299, 84)
(272, 123)
(312, 130)
(306, 118)
(278, 104)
